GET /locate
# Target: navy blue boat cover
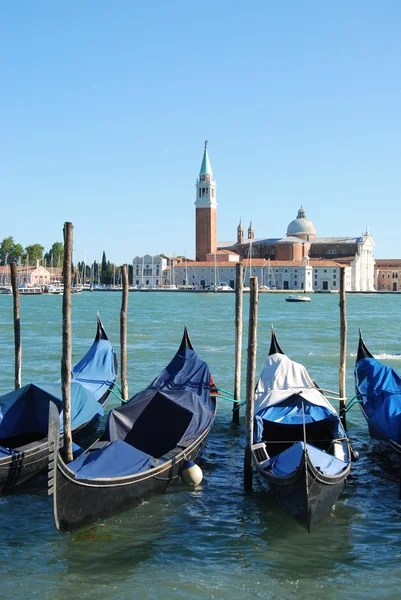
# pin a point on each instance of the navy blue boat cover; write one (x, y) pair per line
(186, 372)
(26, 409)
(287, 462)
(156, 421)
(380, 390)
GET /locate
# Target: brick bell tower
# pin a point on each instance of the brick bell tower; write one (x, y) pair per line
(206, 205)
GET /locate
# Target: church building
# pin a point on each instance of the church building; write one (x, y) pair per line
(300, 245)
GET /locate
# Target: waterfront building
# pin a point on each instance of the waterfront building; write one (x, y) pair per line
(388, 275)
(31, 275)
(304, 275)
(147, 271)
(300, 242)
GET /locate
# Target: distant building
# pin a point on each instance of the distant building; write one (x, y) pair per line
(300, 275)
(147, 270)
(388, 275)
(30, 275)
(206, 205)
(301, 241)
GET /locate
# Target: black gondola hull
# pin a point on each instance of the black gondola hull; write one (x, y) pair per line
(307, 495)
(80, 502)
(29, 460)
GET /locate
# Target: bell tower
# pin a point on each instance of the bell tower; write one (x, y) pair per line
(206, 205)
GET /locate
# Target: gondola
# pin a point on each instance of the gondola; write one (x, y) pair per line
(24, 413)
(300, 446)
(378, 388)
(147, 443)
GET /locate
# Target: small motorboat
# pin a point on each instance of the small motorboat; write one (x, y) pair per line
(297, 298)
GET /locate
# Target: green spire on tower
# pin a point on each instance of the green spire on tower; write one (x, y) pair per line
(206, 168)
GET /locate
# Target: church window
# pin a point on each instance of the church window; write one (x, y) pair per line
(207, 191)
(200, 193)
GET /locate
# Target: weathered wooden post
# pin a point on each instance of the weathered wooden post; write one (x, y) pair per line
(250, 381)
(238, 339)
(343, 348)
(123, 332)
(17, 325)
(66, 360)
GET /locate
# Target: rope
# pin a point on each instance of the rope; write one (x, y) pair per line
(225, 392)
(117, 396)
(355, 400)
(118, 387)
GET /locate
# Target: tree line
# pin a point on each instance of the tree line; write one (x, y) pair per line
(104, 273)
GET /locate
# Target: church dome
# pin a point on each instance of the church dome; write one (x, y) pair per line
(301, 226)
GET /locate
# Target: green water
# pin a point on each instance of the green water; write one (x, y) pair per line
(215, 541)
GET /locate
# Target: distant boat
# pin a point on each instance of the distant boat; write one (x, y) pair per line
(297, 298)
(55, 288)
(29, 291)
(223, 287)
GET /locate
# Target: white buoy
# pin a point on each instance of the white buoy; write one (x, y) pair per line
(191, 474)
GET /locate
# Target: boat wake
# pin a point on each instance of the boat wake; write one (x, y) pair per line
(383, 356)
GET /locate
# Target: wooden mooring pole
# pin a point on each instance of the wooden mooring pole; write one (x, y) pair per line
(238, 339)
(343, 349)
(250, 381)
(123, 332)
(66, 360)
(17, 325)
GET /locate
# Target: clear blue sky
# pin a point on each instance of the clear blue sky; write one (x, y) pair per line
(105, 106)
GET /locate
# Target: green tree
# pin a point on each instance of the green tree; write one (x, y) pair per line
(55, 256)
(10, 251)
(107, 271)
(34, 253)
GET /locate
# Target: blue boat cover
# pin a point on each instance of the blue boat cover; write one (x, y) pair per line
(26, 409)
(289, 412)
(285, 463)
(156, 421)
(97, 371)
(114, 460)
(380, 389)
(186, 372)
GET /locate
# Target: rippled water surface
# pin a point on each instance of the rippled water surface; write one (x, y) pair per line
(215, 541)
